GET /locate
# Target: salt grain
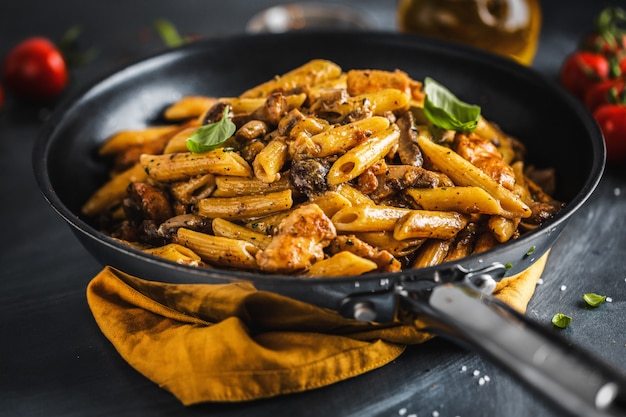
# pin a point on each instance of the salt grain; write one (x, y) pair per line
(435, 413)
(481, 381)
(609, 300)
(563, 287)
(412, 415)
(487, 379)
(463, 368)
(616, 192)
(402, 411)
(476, 372)
(540, 281)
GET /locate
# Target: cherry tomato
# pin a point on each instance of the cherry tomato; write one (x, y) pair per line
(612, 121)
(605, 92)
(35, 70)
(581, 70)
(608, 45)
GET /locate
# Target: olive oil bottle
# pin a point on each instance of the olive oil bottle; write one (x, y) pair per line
(506, 27)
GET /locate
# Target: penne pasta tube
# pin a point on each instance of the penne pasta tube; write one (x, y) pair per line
(338, 139)
(368, 218)
(113, 192)
(217, 250)
(128, 138)
(178, 166)
(433, 252)
(310, 73)
(246, 206)
(194, 189)
(459, 199)
(228, 186)
(429, 224)
(224, 228)
(176, 253)
(463, 173)
(386, 241)
(341, 264)
(502, 228)
(330, 202)
(268, 163)
(178, 142)
(354, 196)
(356, 160)
(267, 224)
(189, 107)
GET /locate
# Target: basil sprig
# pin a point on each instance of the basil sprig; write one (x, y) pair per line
(445, 110)
(211, 136)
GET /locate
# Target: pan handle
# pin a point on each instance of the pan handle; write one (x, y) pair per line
(573, 379)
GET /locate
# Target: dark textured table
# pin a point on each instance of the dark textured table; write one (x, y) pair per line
(55, 362)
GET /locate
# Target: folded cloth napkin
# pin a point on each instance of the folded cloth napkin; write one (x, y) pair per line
(231, 342)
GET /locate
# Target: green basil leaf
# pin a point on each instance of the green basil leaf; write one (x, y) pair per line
(594, 300)
(561, 320)
(445, 110)
(168, 32)
(211, 136)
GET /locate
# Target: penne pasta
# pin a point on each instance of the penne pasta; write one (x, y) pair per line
(368, 218)
(218, 250)
(129, 138)
(339, 139)
(429, 224)
(178, 166)
(316, 172)
(176, 253)
(464, 173)
(194, 189)
(362, 156)
(247, 206)
(311, 73)
(341, 264)
(270, 161)
(229, 186)
(224, 228)
(189, 107)
(467, 200)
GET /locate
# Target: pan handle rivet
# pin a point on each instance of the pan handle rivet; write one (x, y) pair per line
(364, 311)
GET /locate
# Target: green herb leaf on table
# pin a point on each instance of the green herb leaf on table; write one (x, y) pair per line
(561, 320)
(593, 299)
(211, 136)
(445, 110)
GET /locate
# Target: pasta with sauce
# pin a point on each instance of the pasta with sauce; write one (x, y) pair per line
(328, 172)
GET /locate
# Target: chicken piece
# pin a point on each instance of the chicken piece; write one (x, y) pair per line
(483, 154)
(299, 242)
(386, 261)
(369, 81)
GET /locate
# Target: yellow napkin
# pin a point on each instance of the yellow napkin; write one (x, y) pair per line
(231, 342)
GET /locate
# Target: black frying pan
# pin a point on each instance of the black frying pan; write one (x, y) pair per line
(452, 297)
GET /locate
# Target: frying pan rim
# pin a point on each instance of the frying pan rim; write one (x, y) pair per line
(47, 136)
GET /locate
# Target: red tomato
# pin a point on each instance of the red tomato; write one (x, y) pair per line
(612, 121)
(609, 46)
(581, 70)
(35, 70)
(605, 92)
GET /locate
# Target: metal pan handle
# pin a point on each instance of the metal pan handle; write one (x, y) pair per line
(571, 378)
